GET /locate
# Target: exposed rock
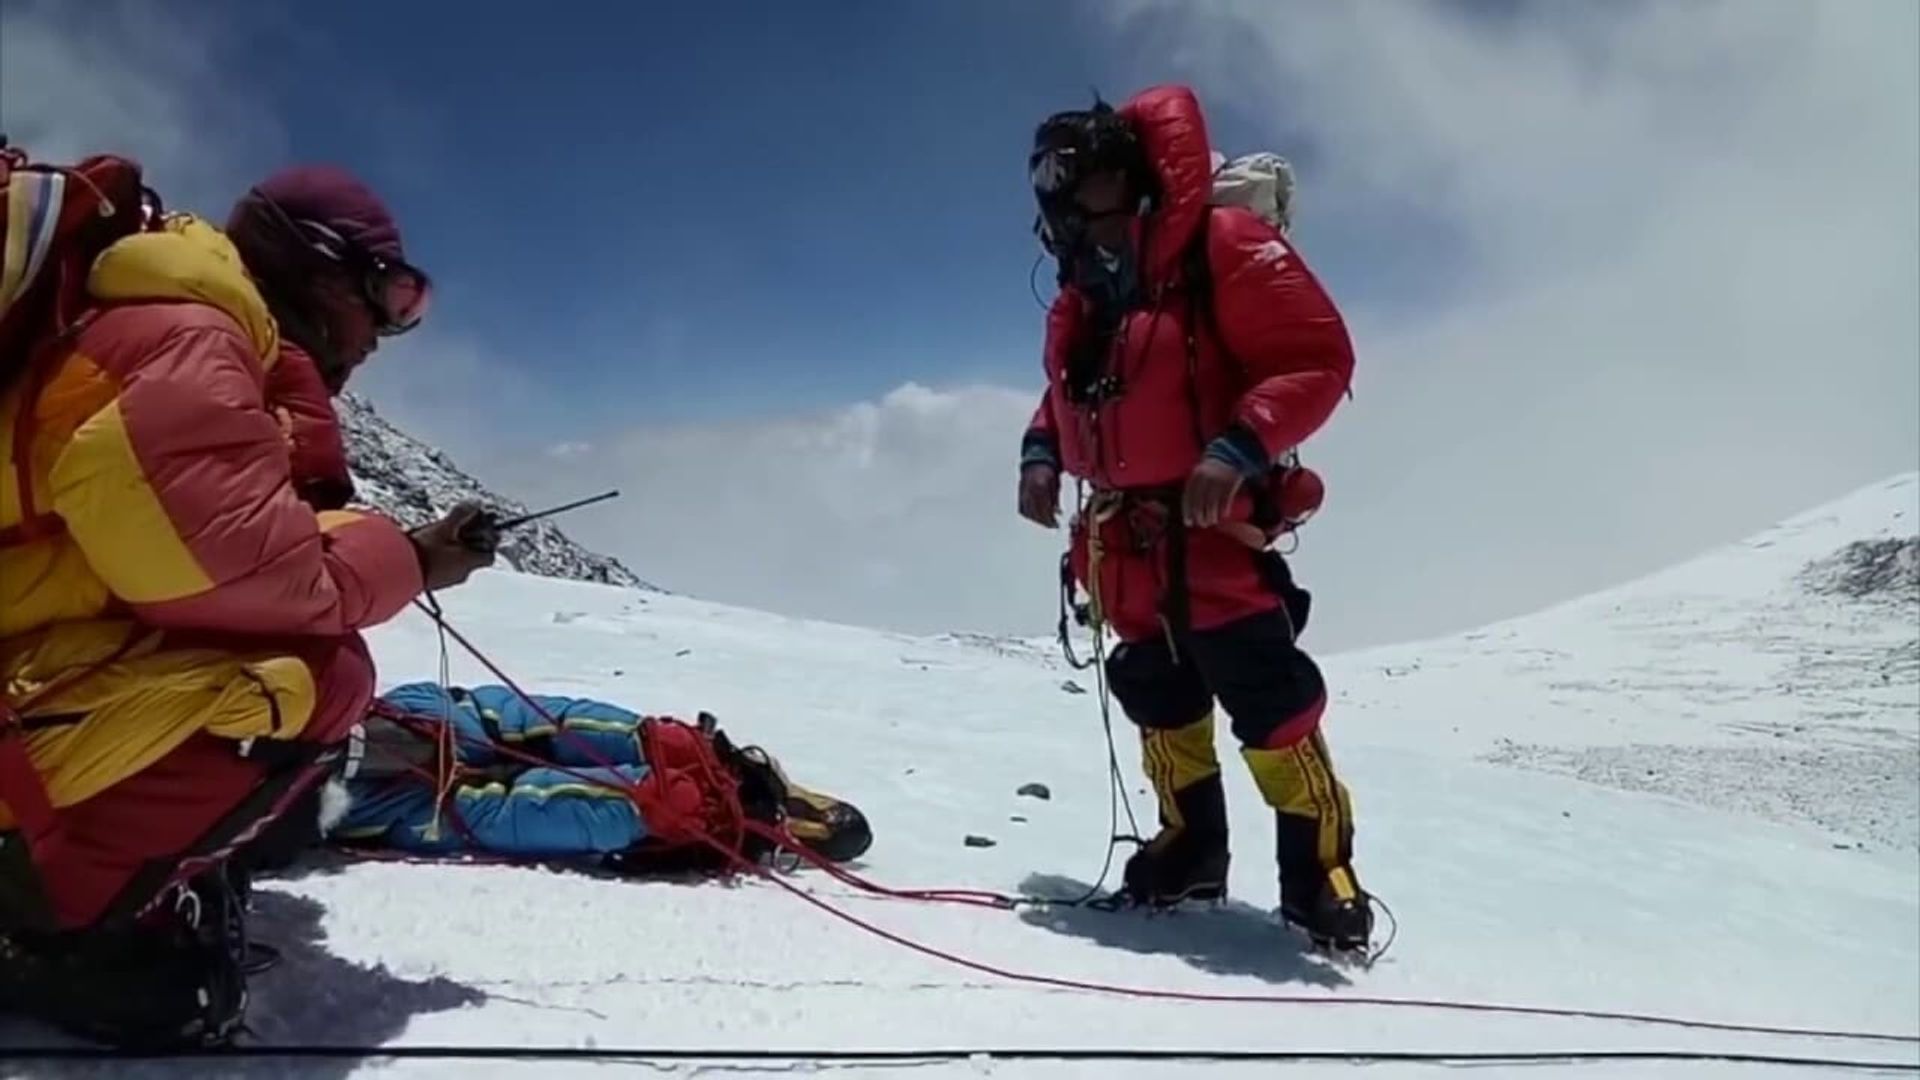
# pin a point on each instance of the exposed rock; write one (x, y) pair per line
(1885, 570)
(415, 483)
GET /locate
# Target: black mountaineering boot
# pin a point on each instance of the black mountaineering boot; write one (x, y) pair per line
(255, 956)
(1188, 858)
(172, 982)
(1337, 917)
(1313, 817)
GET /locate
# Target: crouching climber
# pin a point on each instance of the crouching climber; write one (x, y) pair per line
(454, 771)
(180, 651)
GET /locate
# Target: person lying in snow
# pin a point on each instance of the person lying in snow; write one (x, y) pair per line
(548, 777)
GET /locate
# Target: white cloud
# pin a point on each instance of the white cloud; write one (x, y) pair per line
(1691, 258)
(442, 385)
(898, 512)
(157, 83)
(1682, 306)
(1686, 308)
(127, 78)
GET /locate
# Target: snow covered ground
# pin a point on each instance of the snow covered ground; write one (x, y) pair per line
(1692, 795)
(1779, 678)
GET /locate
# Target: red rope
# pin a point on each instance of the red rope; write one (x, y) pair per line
(663, 819)
(414, 722)
(1150, 993)
(786, 841)
(995, 900)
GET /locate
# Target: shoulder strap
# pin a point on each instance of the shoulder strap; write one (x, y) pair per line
(1198, 272)
(1200, 311)
(1199, 277)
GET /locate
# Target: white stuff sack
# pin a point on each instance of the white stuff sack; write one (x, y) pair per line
(1262, 183)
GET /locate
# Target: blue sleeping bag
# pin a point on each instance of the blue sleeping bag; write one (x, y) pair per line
(504, 805)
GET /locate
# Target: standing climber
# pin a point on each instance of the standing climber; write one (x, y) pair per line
(1189, 353)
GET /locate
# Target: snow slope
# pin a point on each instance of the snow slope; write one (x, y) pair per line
(1520, 884)
(1778, 677)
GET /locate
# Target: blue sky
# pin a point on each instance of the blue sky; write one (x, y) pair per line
(1626, 281)
(695, 209)
(727, 208)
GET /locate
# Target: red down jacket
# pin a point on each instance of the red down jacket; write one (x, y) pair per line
(1287, 359)
(1270, 366)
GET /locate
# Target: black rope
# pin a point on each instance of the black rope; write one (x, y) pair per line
(1033, 285)
(1095, 894)
(855, 1057)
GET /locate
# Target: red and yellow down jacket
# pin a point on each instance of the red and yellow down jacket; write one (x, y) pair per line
(179, 551)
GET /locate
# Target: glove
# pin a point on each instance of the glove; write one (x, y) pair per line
(451, 549)
(1040, 494)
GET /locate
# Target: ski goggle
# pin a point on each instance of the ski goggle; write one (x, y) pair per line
(396, 292)
(1054, 170)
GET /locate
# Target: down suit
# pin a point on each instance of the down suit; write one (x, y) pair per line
(184, 626)
(1228, 349)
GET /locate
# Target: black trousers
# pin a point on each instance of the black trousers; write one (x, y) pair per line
(1269, 687)
(1274, 694)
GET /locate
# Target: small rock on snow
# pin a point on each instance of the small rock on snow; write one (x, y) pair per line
(980, 841)
(1035, 791)
(1072, 687)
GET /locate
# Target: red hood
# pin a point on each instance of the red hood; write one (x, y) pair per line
(1173, 133)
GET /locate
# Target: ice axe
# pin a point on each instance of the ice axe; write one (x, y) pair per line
(482, 533)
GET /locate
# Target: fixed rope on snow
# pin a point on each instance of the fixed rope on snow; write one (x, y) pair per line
(601, 1054)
